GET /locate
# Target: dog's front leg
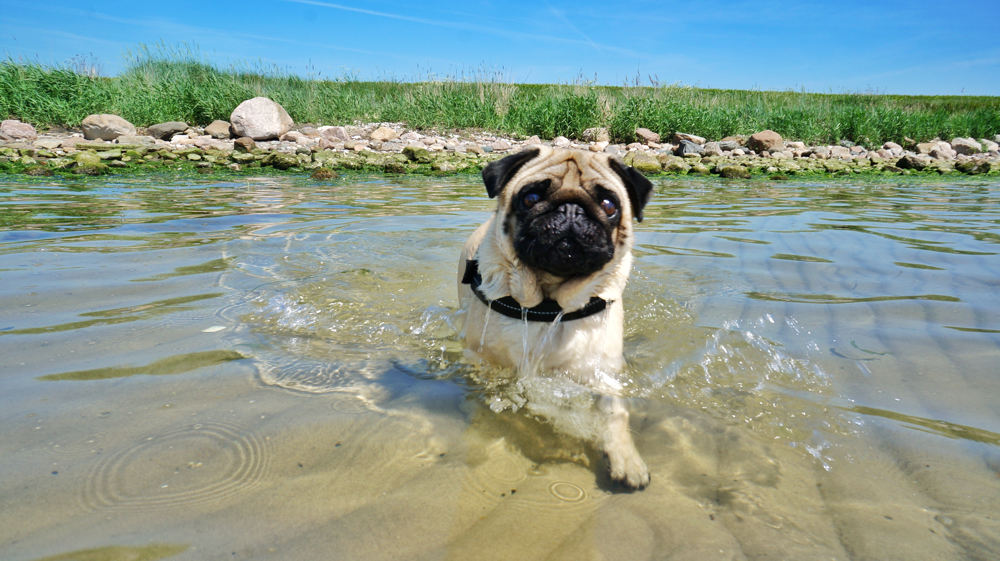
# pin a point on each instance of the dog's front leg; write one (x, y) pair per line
(625, 464)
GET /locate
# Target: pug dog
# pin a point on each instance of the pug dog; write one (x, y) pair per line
(542, 280)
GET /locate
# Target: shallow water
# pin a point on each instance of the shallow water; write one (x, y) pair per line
(272, 369)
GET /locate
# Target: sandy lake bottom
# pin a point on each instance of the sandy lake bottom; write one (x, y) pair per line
(271, 369)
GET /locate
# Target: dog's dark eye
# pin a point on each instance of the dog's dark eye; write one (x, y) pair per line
(609, 207)
(531, 198)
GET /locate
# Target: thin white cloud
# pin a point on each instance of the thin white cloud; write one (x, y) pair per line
(469, 27)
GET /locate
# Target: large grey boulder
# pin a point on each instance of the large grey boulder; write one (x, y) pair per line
(17, 130)
(260, 119)
(166, 131)
(106, 127)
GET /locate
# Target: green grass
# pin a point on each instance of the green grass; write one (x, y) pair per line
(165, 84)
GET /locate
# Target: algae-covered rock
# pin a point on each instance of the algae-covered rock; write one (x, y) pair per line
(91, 169)
(88, 158)
(910, 161)
(38, 171)
(323, 174)
(280, 160)
(642, 162)
(110, 154)
(734, 172)
(700, 169)
(419, 155)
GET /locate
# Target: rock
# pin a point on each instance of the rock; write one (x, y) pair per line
(713, 149)
(95, 169)
(409, 136)
(218, 129)
(797, 145)
(17, 130)
(821, 152)
(291, 136)
(892, 146)
(679, 136)
(841, 152)
(676, 165)
(857, 149)
(988, 145)
(38, 171)
(765, 140)
(501, 145)
(635, 146)
(260, 119)
(533, 140)
(140, 140)
(973, 167)
(334, 133)
(910, 161)
(739, 139)
(729, 145)
(925, 147)
(47, 143)
(647, 135)
(612, 149)
(87, 158)
(734, 172)
(383, 134)
(244, 144)
(473, 149)
(280, 160)
(643, 162)
(700, 169)
(323, 174)
(166, 131)
(687, 147)
(419, 155)
(561, 142)
(909, 143)
(599, 146)
(967, 146)
(596, 134)
(487, 148)
(846, 144)
(106, 127)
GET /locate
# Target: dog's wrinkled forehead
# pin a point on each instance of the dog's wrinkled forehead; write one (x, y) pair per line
(506, 176)
(565, 168)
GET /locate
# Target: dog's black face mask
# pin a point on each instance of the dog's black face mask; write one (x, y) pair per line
(567, 230)
(565, 234)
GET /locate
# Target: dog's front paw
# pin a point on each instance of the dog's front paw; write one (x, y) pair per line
(627, 468)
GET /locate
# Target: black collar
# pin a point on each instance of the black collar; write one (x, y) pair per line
(547, 311)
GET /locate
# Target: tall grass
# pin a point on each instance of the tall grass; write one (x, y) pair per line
(175, 83)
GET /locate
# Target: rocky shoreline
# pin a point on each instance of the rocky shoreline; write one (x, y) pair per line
(261, 136)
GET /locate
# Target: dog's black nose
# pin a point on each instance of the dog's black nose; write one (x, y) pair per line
(572, 210)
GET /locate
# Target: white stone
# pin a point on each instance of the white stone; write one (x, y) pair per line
(106, 127)
(260, 119)
(966, 146)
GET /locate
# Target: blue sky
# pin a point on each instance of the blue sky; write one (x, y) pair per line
(914, 47)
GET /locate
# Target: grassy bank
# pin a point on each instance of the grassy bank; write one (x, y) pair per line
(160, 85)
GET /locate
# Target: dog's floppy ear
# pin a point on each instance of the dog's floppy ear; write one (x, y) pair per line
(638, 187)
(497, 174)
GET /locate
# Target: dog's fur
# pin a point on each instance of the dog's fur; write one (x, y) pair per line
(564, 247)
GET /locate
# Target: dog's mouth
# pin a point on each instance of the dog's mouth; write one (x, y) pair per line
(565, 242)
